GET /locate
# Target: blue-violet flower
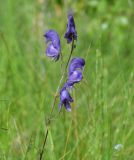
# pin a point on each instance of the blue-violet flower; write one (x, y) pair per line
(71, 33)
(75, 70)
(53, 49)
(65, 99)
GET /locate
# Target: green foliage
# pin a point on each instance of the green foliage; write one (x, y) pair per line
(103, 112)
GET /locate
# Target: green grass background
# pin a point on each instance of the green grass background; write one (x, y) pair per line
(103, 112)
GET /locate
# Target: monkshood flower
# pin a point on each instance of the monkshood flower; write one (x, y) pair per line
(71, 33)
(53, 49)
(65, 99)
(75, 70)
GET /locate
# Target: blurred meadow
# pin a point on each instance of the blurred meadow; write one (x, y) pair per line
(101, 124)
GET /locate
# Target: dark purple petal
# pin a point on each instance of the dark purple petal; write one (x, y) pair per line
(67, 106)
(71, 32)
(53, 49)
(69, 84)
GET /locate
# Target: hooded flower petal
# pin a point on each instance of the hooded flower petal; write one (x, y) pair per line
(53, 49)
(71, 32)
(76, 64)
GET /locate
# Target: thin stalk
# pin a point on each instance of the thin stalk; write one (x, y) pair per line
(55, 97)
(45, 139)
(75, 125)
(67, 139)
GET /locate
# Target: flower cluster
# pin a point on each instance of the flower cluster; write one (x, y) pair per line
(52, 39)
(74, 76)
(75, 71)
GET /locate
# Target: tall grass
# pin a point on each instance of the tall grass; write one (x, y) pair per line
(103, 112)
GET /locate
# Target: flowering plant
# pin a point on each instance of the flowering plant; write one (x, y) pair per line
(75, 67)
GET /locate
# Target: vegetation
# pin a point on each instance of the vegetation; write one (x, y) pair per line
(103, 110)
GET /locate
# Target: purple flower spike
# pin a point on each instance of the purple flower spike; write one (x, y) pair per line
(75, 70)
(71, 32)
(53, 49)
(65, 99)
(75, 75)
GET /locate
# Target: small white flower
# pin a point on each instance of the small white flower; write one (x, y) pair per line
(104, 26)
(118, 147)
